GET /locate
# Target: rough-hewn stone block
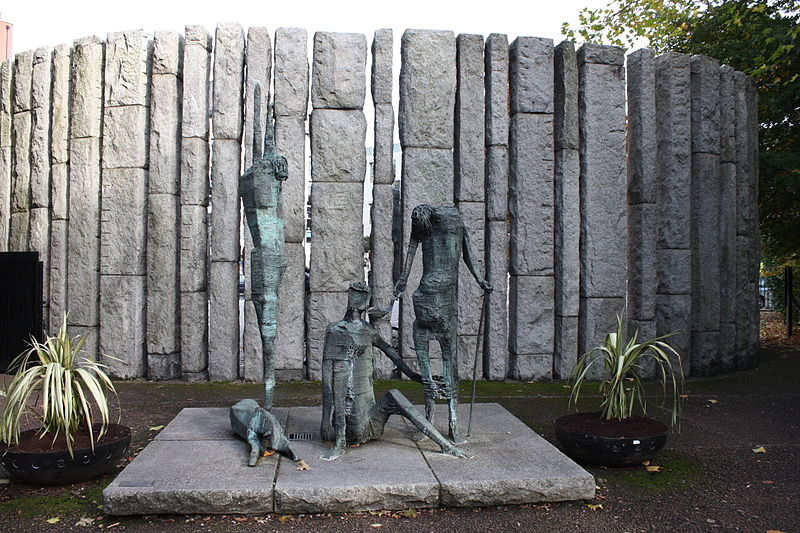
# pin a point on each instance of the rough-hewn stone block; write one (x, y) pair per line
(125, 137)
(194, 171)
(727, 242)
(162, 274)
(194, 334)
(223, 328)
(291, 72)
(5, 102)
(337, 247)
(470, 295)
(258, 64)
(674, 271)
(5, 196)
(382, 252)
(496, 89)
(165, 135)
(565, 346)
(497, 171)
(642, 257)
(18, 231)
(40, 128)
(704, 353)
(290, 342)
(59, 126)
(167, 51)
(196, 67)
(530, 316)
(531, 194)
(86, 92)
(496, 344)
(22, 79)
(468, 156)
(122, 324)
(21, 163)
(84, 231)
(705, 79)
(228, 79)
(58, 274)
(381, 82)
(601, 54)
(427, 88)
(673, 314)
(225, 172)
(290, 138)
(383, 152)
(123, 238)
(194, 248)
(673, 155)
(565, 98)
(727, 115)
(531, 75)
(705, 242)
(641, 127)
(603, 179)
(125, 78)
(567, 231)
(338, 79)
(322, 309)
(337, 145)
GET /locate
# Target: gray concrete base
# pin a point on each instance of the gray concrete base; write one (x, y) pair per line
(197, 465)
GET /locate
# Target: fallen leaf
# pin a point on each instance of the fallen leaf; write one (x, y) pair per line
(85, 521)
(267, 453)
(5, 481)
(645, 463)
(598, 487)
(653, 468)
(713, 401)
(775, 531)
(566, 386)
(767, 482)
(285, 518)
(53, 520)
(156, 428)
(376, 525)
(629, 379)
(683, 396)
(408, 513)
(302, 465)
(594, 507)
(115, 524)
(760, 449)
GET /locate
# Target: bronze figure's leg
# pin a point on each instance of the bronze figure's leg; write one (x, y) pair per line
(449, 344)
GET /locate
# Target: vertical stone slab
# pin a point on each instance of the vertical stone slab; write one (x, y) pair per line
(123, 237)
(531, 298)
(291, 107)
(21, 120)
(705, 215)
(338, 132)
(495, 348)
(227, 122)
(381, 214)
(291, 315)
(603, 187)
(755, 258)
(85, 125)
(425, 120)
(194, 201)
(5, 152)
(673, 201)
(728, 217)
(163, 205)
(39, 227)
(258, 65)
(642, 222)
(59, 185)
(566, 207)
(468, 186)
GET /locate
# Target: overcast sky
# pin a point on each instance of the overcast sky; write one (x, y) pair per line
(49, 22)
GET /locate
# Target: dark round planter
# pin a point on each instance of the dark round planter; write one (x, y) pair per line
(58, 468)
(590, 440)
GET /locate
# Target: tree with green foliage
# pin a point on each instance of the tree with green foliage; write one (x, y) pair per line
(758, 37)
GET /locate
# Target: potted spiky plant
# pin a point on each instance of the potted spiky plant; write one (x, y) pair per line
(617, 435)
(67, 393)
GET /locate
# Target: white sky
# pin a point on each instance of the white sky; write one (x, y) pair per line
(49, 22)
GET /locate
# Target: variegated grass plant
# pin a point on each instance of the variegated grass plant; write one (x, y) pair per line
(623, 363)
(70, 391)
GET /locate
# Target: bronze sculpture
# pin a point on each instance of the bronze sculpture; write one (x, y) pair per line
(444, 239)
(350, 413)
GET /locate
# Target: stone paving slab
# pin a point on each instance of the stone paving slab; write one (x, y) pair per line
(197, 465)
